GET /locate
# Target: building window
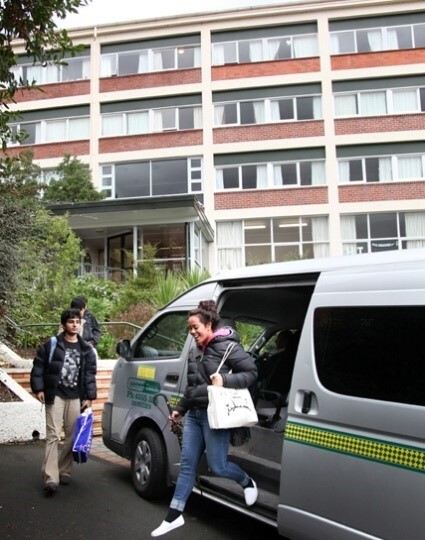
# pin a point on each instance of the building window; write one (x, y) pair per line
(150, 60)
(170, 245)
(381, 168)
(373, 352)
(374, 102)
(268, 110)
(378, 39)
(46, 176)
(150, 121)
(264, 240)
(107, 181)
(75, 69)
(387, 231)
(264, 49)
(55, 130)
(152, 178)
(230, 250)
(195, 175)
(271, 175)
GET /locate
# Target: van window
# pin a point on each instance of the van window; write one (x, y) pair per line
(249, 332)
(164, 338)
(372, 352)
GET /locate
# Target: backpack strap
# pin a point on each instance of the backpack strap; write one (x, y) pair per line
(53, 343)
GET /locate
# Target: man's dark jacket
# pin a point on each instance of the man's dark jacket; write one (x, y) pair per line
(45, 375)
(91, 330)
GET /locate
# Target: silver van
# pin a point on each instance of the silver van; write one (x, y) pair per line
(339, 449)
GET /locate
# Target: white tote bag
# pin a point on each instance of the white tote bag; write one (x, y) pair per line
(230, 407)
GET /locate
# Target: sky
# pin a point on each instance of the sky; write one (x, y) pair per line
(109, 11)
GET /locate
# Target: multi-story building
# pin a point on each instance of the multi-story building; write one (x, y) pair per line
(240, 137)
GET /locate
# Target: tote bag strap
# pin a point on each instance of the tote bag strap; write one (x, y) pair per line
(225, 356)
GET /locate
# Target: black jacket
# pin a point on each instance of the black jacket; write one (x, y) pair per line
(45, 376)
(202, 364)
(91, 330)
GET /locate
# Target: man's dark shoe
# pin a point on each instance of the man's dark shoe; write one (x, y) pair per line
(50, 488)
(64, 480)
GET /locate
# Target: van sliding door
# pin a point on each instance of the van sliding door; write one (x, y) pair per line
(354, 448)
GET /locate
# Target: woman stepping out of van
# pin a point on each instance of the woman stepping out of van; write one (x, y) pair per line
(204, 359)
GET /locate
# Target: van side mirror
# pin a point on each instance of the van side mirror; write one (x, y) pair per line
(123, 348)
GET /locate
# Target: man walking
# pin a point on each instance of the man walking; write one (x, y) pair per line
(90, 327)
(63, 378)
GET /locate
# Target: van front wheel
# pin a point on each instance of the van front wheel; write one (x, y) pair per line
(149, 464)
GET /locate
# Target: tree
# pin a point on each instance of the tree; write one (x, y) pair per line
(29, 25)
(32, 22)
(48, 264)
(19, 203)
(73, 183)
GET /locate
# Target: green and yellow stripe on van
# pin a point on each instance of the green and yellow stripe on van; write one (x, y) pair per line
(397, 455)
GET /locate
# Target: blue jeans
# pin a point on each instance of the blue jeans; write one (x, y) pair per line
(197, 437)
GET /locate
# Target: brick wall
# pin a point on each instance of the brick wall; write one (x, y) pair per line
(373, 124)
(378, 59)
(264, 69)
(54, 150)
(152, 140)
(150, 80)
(264, 132)
(270, 197)
(54, 90)
(397, 191)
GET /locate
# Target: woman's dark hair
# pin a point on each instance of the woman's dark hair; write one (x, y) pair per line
(207, 313)
(69, 314)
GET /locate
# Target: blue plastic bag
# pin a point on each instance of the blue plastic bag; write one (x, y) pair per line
(83, 436)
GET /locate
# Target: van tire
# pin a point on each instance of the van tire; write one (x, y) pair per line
(149, 464)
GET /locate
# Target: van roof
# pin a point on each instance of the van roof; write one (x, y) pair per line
(308, 266)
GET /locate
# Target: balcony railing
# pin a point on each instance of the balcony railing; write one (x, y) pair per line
(172, 264)
(105, 272)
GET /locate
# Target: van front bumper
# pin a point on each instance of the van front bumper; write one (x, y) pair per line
(115, 446)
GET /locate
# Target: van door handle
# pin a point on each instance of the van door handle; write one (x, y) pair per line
(306, 406)
(172, 377)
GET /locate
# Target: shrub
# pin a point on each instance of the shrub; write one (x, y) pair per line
(106, 346)
(137, 314)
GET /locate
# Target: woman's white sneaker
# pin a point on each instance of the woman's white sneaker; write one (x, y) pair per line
(167, 526)
(251, 494)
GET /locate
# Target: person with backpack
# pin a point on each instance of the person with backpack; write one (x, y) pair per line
(63, 378)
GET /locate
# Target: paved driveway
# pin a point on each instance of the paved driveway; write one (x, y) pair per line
(100, 504)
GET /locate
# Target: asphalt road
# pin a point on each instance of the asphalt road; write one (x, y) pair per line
(100, 504)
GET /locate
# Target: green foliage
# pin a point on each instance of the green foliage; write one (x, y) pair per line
(193, 277)
(72, 183)
(48, 264)
(47, 283)
(102, 294)
(166, 289)
(106, 346)
(138, 288)
(174, 284)
(34, 24)
(137, 314)
(19, 205)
